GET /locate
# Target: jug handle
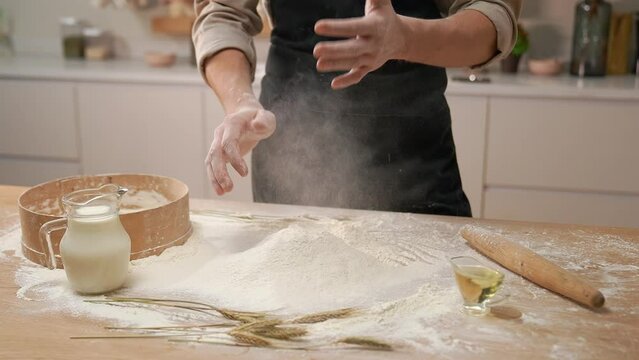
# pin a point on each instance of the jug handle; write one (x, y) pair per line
(45, 238)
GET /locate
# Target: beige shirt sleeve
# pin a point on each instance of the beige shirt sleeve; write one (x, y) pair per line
(224, 24)
(502, 13)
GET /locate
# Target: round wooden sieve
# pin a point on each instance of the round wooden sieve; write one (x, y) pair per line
(152, 229)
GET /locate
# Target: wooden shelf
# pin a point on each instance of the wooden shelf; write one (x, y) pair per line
(180, 26)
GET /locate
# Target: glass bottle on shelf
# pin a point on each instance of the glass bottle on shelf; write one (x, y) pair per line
(590, 38)
(5, 41)
(72, 38)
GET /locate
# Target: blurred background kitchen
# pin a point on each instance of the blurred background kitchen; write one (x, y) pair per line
(104, 86)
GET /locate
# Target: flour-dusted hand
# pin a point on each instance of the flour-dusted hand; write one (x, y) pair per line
(372, 40)
(235, 137)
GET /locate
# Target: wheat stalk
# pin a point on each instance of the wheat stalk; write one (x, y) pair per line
(323, 316)
(254, 217)
(366, 342)
(130, 336)
(172, 327)
(272, 328)
(259, 329)
(214, 341)
(151, 301)
(259, 325)
(250, 339)
(265, 219)
(241, 316)
(116, 301)
(281, 333)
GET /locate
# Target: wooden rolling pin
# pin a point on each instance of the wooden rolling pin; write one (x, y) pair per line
(533, 267)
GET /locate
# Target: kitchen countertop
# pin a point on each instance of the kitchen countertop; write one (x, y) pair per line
(624, 87)
(134, 71)
(567, 330)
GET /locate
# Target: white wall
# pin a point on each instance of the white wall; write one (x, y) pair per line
(550, 24)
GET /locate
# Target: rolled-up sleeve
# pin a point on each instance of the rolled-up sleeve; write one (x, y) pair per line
(502, 13)
(224, 24)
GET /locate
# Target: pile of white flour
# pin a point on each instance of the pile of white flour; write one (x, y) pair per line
(386, 264)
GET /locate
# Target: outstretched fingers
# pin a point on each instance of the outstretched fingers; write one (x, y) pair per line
(231, 150)
(345, 28)
(216, 186)
(216, 165)
(352, 77)
(235, 137)
(340, 49)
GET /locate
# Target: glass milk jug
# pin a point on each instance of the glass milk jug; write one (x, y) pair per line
(95, 248)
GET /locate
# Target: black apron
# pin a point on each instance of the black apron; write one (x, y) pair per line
(383, 144)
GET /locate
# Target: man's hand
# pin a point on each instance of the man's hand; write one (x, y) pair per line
(371, 41)
(235, 137)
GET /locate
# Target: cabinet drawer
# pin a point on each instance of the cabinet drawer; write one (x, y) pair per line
(33, 172)
(37, 119)
(563, 144)
(468, 114)
(562, 207)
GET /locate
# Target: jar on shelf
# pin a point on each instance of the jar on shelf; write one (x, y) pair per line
(590, 38)
(5, 41)
(97, 44)
(72, 38)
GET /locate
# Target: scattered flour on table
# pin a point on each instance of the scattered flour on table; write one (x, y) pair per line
(391, 266)
(290, 268)
(590, 253)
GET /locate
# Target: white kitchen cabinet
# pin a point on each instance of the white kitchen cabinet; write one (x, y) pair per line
(529, 148)
(37, 119)
(213, 116)
(468, 115)
(143, 129)
(29, 172)
(564, 144)
(563, 160)
(562, 207)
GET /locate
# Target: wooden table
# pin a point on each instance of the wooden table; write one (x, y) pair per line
(574, 332)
